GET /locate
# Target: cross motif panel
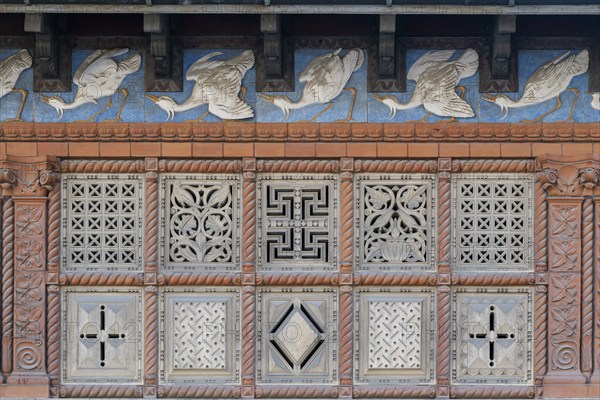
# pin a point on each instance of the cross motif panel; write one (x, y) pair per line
(394, 335)
(493, 220)
(298, 222)
(102, 221)
(396, 216)
(200, 335)
(200, 222)
(297, 335)
(102, 332)
(492, 335)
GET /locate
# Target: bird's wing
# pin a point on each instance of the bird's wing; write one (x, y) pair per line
(197, 69)
(130, 64)
(467, 64)
(440, 98)
(354, 60)
(97, 64)
(581, 63)
(548, 80)
(426, 61)
(231, 108)
(315, 67)
(11, 68)
(243, 62)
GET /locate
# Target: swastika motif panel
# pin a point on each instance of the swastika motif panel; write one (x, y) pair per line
(297, 335)
(102, 333)
(394, 335)
(200, 224)
(298, 222)
(200, 335)
(492, 335)
(102, 221)
(493, 217)
(396, 218)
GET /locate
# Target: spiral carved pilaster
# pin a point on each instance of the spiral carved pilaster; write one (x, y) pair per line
(345, 334)
(151, 335)
(8, 219)
(54, 229)
(587, 287)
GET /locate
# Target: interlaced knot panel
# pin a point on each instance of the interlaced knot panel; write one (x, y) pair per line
(201, 222)
(396, 222)
(493, 217)
(102, 218)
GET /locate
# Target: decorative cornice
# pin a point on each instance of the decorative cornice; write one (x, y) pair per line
(570, 176)
(27, 176)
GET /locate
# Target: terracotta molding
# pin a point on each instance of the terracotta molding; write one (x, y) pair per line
(493, 279)
(395, 392)
(150, 339)
(53, 334)
(577, 175)
(396, 166)
(8, 281)
(444, 334)
(596, 344)
(297, 279)
(101, 391)
(196, 391)
(392, 279)
(291, 391)
(151, 222)
(200, 166)
(488, 392)
(27, 176)
(248, 239)
(101, 279)
(345, 335)
(493, 166)
(298, 166)
(540, 232)
(206, 279)
(587, 287)
(248, 336)
(102, 166)
(444, 228)
(540, 342)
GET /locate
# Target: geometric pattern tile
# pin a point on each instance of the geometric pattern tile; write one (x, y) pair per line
(493, 221)
(394, 335)
(396, 219)
(102, 333)
(200, 335)
(200, 222)
(102, 221)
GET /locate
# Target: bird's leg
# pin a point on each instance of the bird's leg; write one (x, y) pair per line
(23, 99)
(451, 119)
(118, 117)
(93, 117)
(576, 91)
(352, 103)
(538, 119)
(320, 113)
(244, 91)
(462, 91)
(199, 119)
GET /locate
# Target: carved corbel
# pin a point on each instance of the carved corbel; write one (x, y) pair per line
(499, 72)
(52, 55)
(387, 64)
(275, 58)
(164, 59)
(34, 176)
(570, 176)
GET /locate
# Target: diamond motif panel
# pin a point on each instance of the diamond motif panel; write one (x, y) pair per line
(102, 221)
(298, 221)
(102, 332)
(297, 335)
(492, 335)
(394, 335)
(200, 222)
(200, 335)
(396, 217)
(493, 221)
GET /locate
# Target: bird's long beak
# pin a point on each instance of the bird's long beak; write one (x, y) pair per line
(490, 98)
(45, 99)
(378, 97)
(266, 97)
(152, 97)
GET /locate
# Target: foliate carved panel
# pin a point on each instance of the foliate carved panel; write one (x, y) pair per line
(102, 218)
(396, 215)
(297, 336)
(492, 335)
(200, 222)
(297, 224)
(394, 337)
(493, 221)
(102, 333)
(200, 335)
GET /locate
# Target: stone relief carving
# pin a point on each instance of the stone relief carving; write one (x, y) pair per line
(436, 78)
(11, 68)
(546, 83)
(324, 79)
(217, 83)
(396, 221)
(493, 221)
(201, 220)
(99, 75)
(595, 101)
(102, 218)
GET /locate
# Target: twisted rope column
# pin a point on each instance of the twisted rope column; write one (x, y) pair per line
(8, 236)
(587, 287)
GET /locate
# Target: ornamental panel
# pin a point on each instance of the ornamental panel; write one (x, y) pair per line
(396, 216)
(200, 222)
(492, 335)
(298, 222)
(492, 221)
(394, 336)
(297, 335)
(102, 333)
(200, 335)
(102, 221)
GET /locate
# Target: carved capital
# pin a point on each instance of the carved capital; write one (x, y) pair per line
(27, 176)
(570, 176)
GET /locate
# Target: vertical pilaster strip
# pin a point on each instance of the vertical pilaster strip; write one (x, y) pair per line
(587, 287)
(540, 222)
(596, 344)
(444, 205)
(8, 229)
(53, 291)
(248, 340)
(151, 340)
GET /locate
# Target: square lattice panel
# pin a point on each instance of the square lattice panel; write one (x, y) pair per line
(102, 221)
(200, 335)
(396, 217)
(297, 222)
(101, 335)
(493, 222)
(492, 335)
(200, 222)
(297, 335)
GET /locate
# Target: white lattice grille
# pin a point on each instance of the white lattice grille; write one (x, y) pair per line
(493, 221)
(200, 228)
(297, 224)
(395, 229)
(102, 221)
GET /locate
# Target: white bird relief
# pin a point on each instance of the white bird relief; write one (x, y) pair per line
(325, 78)
(436, 78)
(596, 101)
(11, 68)
(218, 84)
(98, 76)
(546, 83)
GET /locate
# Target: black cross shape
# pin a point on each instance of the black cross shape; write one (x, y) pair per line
(108, 336)
(493, 335)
